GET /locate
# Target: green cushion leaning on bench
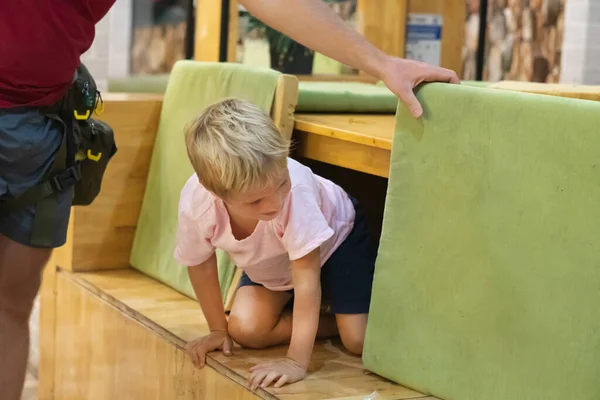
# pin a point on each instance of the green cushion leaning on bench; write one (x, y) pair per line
(192, 87)
(345, 97)
(487, 283)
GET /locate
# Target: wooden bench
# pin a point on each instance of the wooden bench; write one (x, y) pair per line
(361, 142)
(109, 331)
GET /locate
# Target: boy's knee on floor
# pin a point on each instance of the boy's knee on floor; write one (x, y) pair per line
(247, 332)
(352, 330)
(353, 342)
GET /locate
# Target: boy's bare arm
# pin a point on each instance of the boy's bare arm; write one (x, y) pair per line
(205, 281)
(306, 274)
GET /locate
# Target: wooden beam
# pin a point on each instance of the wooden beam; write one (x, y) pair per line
(383, 23)
(207, 43)
(208, 30)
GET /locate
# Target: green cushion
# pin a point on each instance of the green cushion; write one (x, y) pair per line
(192, 87)
(487, 282)
(351, 97)
(139, 84)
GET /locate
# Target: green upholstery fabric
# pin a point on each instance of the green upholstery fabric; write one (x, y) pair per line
(351, 97)
(192, 87)
(139, 84)
(487, 283)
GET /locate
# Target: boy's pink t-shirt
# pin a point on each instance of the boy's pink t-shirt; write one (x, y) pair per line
(315, 213)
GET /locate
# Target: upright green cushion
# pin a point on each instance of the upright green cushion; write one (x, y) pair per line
(192, 87)
(487, 283)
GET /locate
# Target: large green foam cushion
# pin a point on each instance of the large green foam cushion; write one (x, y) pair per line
(192, 87)
(487, 283)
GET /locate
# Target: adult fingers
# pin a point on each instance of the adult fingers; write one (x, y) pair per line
(407, 96)
(440, 75)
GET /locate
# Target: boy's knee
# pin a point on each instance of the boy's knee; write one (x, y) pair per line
(247, 331)
(353, 342)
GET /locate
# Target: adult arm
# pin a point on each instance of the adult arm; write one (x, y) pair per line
(329, 35)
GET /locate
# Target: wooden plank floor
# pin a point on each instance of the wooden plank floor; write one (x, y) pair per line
(333, 373)
(361, 142)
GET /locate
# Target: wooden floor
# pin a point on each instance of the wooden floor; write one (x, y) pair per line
(333, 373)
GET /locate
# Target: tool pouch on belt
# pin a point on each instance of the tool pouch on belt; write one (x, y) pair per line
(94, 142)
(96, 148)
(87, 147)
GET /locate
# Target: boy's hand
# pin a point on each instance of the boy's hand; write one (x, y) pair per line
(280, 372)
(198, 348)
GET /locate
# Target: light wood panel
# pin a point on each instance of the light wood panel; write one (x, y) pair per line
(360, 142)
(584, 92)
(333, 373)
(383, 23)
(284, 104)
(101, 235)
(358, 157)
(369, 129)
(207, 38)
(104, 354)
(207, 35)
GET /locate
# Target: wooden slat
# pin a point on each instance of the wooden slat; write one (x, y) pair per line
(333, 373)
(383, 23)
(232, 35)
(584, 92)
(359, 142)
(284, 104)
(368, 129)
(101, 234)
(102, 353)
(208, 30)
(358, 157)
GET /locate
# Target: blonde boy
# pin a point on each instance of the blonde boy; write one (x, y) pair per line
(299, 239)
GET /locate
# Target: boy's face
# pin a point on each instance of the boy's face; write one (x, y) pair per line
(264, 204)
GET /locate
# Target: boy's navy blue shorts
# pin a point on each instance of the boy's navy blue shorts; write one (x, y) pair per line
(28, 144)
(347, 276)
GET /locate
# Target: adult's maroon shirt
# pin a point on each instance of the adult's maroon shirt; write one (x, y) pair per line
(40, 45)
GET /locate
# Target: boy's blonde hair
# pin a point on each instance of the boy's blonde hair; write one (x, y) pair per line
(234, 145)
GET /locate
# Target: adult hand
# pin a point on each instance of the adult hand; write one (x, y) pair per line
(278, 372)
(401, 76)
(198, 348)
